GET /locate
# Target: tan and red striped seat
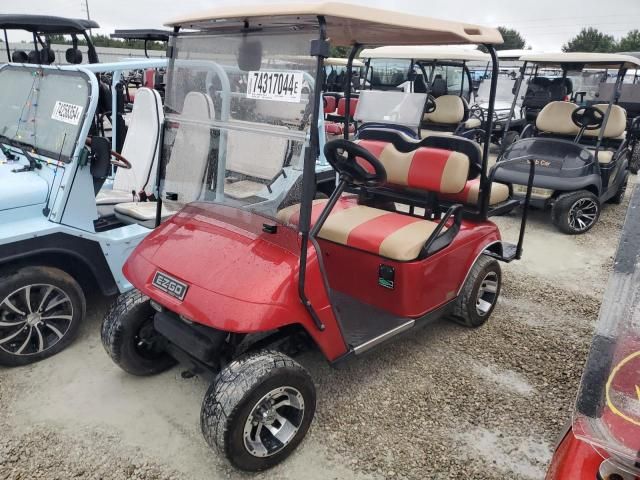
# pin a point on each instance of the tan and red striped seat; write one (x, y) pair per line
(471, 192)
(390, 234)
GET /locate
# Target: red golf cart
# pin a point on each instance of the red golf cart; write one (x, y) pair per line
(603, 442)
(233, 282)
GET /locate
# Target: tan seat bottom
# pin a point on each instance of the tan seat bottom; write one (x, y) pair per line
(424, 133)
(387, 234)
(604, 156)
(111, 197)
(142, 213)
(243, 189)
(469, 195)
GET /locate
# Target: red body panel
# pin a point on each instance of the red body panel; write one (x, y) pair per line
(420, 286)
(574, 460)
(244, 280)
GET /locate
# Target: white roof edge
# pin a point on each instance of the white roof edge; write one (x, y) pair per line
(346, 23)
(587, 58)
(342, 62)
(425, 52)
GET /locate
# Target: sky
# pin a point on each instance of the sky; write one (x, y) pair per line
(545, 24)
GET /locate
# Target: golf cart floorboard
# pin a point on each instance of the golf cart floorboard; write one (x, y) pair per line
(365, 326)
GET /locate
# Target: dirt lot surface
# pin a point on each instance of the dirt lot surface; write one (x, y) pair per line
(443, 403)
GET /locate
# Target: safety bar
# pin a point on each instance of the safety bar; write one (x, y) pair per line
(527, 199)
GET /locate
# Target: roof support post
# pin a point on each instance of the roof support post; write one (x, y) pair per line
(485, 187)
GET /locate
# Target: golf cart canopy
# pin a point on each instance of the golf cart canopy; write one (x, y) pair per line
(512, 55)
(342, 62)
(346, 24)
(45, 24)
(152, 35)
(421, 52)
(582, 60)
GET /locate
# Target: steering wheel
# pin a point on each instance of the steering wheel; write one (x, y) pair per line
(430, 105)
(589, 118)
(354, 163)
(116, 159)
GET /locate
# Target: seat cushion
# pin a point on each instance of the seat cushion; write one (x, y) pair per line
(111, 197)
(142, 213)
(425, 132)
(388, 234)
(469, 195)
(243, 189)
(449, 111)
(335, 128)
(472, 123)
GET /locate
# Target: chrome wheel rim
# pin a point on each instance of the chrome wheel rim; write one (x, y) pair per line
(582, 214)
(487, 294)
(34, 318)
(273, 422)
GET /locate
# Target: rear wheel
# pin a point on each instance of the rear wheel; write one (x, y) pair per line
(622, 189)
(129, 338)
(479, 294)
(577, 212)
(258, 410)
(40, 313)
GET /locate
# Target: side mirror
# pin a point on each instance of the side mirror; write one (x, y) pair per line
(250, 55)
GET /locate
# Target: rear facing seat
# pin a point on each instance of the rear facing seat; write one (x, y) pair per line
(185, 169)
(470, 192)
(389, 234)
(336, 127)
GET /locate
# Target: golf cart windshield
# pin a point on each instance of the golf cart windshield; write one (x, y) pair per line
(239, 108)
(43, 109)
(608, 407)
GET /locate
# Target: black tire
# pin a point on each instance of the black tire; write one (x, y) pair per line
(468, 310)
(45, 324)
(634, 162)
(566, 212)
(236, 393)
(618, 198)
(129, 338)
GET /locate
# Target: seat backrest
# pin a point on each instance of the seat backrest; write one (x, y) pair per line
(449, 111)
(243, 147)
(329, 104)
(425, 169)
(142, 144)
(34, 57)
(342, 106)
(419, 85)
(616, 123)
(19, 56)
(537, 94)
(559, 88)
(188, 161)
(438, 86)
(73, 56)
(555, 118)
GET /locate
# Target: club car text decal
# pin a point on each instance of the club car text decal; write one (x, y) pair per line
(278, 86)
(67, 112)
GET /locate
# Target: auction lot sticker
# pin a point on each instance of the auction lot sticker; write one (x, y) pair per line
(67, 112)
(623, 389)
(278, 86)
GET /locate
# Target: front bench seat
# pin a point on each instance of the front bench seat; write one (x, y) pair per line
(390, 234)
(185, 169)
(141, 148)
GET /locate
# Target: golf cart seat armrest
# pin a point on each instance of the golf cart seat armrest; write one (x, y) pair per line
(442, 236)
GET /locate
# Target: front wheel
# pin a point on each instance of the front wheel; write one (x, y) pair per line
(129, 338)
(258, 410)
(622, 190)
(634, 163)
(480, 292)
(40, 313)
(576, 213)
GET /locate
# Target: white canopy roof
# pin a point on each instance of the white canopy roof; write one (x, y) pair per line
(593, 59)
(346, 23)
(513, 54)
(342, 62)
(425, 52)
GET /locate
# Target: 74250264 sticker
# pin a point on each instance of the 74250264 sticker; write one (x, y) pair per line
(67, 112)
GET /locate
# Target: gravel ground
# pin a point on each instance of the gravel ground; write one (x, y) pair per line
(443, 403)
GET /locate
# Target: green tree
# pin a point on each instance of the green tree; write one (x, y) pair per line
(591, 40)
(630, 42)
(339, 52)
(513, 40)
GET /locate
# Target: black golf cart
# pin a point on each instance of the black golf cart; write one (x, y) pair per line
(43, 27)
(582, 151)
